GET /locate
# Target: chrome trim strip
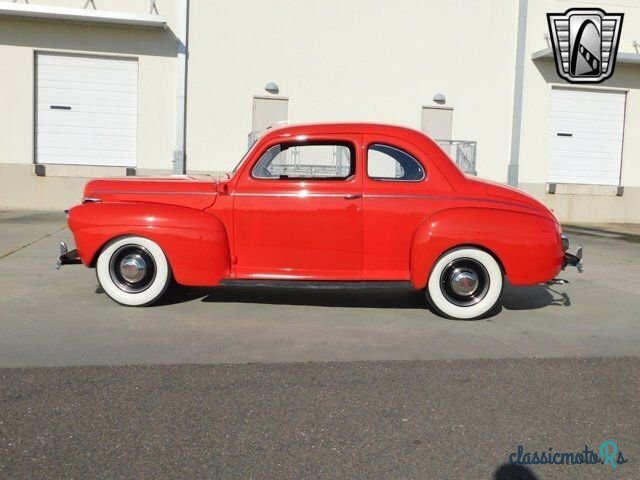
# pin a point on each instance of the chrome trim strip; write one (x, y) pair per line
(383, 196)
(294, 195)
(452, 198)
(117, 192)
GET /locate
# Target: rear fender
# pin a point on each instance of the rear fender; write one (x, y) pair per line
(527, 246)
(194, 242)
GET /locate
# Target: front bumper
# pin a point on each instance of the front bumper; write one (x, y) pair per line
(570, 259)
(67, 257)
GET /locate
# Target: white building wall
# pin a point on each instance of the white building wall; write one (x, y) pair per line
(577, 203)
(361, 60)
(20, 39)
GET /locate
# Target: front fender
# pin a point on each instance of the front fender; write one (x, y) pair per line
(528, 246)
(194, 242)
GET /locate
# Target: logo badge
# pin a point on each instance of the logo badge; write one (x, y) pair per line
(585, 43)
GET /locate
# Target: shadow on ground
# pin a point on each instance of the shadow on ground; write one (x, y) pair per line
(514, 472)
(514, 298)
(533, 297)
(395, 298)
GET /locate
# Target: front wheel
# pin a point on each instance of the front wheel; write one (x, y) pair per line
(133, 271)
(465, 283)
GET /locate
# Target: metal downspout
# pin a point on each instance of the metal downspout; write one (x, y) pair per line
(182, 34)
(518, 85)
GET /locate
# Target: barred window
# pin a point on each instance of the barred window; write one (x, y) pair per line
(309, 161)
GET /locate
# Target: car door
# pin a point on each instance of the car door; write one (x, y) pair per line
(298, 211)
(397, 198)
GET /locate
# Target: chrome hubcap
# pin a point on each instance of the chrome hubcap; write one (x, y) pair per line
(133, 268)
(464, 282)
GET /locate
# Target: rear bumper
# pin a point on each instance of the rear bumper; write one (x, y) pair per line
(67, 257)
(570, 259)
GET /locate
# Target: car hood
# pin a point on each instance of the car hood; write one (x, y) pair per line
(186, 191)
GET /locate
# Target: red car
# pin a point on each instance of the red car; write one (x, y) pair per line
(356, 203)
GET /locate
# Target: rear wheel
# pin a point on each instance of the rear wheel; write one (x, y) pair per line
(133, 271)
(465, 283)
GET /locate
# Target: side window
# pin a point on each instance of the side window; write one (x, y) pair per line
(311, 161)
(389, 163)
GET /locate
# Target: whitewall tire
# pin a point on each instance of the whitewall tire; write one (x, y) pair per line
(133, 271)
(465, 283)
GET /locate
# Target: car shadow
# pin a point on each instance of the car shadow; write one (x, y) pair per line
(533, 297)
(514, 298)
(393, 298)
(514, 472)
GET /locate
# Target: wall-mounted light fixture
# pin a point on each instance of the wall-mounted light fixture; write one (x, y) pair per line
(440, 99)
(272, 87)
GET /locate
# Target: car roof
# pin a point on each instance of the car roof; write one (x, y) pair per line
(280, 130)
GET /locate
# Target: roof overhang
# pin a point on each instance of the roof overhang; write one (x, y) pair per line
(622, 58)
(80, 15)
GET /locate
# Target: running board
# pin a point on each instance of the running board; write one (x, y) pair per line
(315, 284)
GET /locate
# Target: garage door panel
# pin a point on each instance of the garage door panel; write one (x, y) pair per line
(570, 154)
(65, 86)
(590, 149)
(586, 109)
(83, 109)
(81, 81)
(98, 121)
(566, 101)
(85, 130)
(585, 145)
(107, 63)
(78, 119)
(586, 95)
(579, 136)
(78, 97)
(100, 142)
(88, 153)
(95, 76)
(585, 127)
(80, 70)
(603, 118)
(577, 165)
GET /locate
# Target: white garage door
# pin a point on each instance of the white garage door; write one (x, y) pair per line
(585, 136)
(87, 110)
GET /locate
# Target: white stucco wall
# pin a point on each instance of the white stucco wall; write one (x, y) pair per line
(579, 204)
(368, 60)
(20, 39)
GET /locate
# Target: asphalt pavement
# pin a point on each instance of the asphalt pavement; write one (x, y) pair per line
(369, 420)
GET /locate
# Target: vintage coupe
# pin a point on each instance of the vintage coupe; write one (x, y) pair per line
(355, 203)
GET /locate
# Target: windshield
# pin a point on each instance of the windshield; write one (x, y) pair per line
(235, 169)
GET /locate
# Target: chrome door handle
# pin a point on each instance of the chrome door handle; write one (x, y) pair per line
(352, 196)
